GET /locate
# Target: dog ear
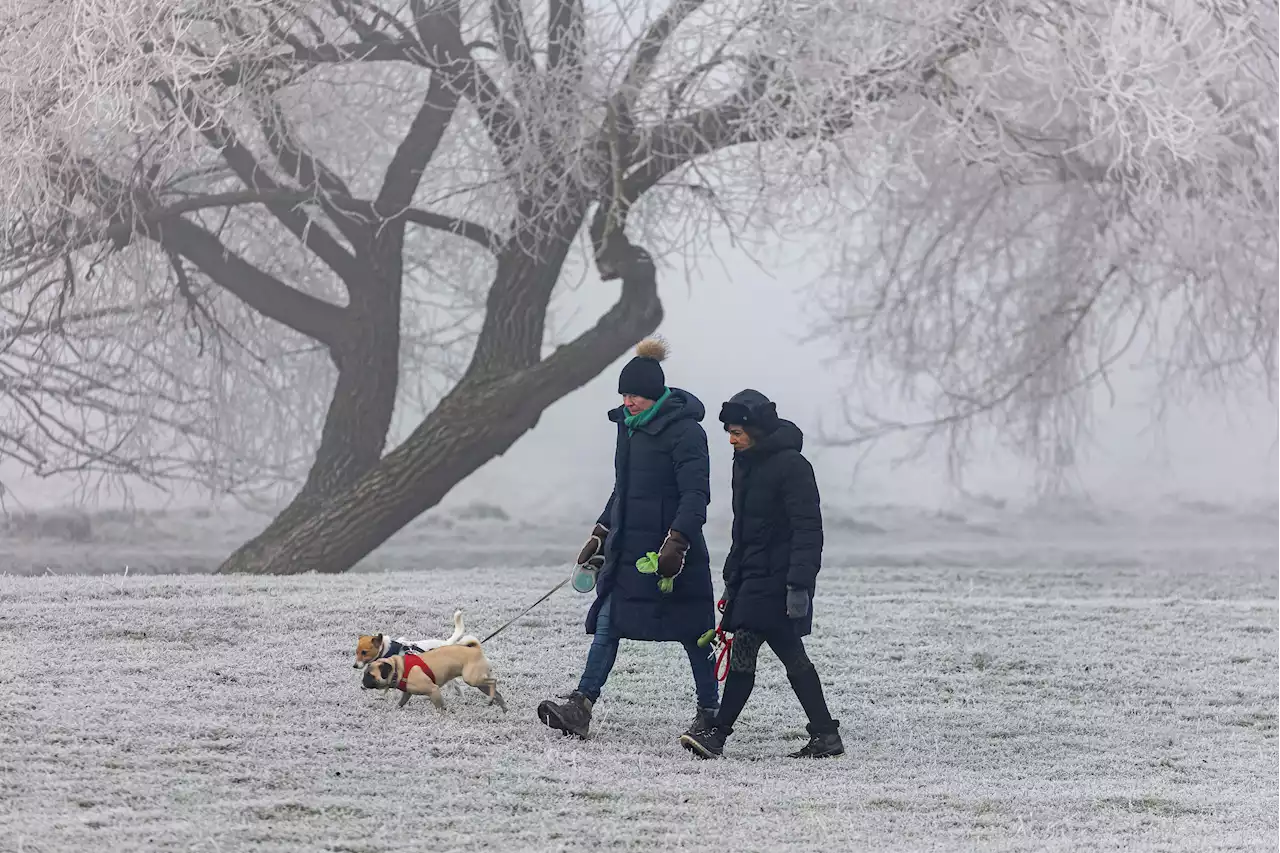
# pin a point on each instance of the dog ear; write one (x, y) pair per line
(388, 669)
(377, 638)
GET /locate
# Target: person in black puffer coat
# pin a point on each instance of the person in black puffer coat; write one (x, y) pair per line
(771, 573)
(662, 484)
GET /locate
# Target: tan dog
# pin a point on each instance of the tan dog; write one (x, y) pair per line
(424, 674)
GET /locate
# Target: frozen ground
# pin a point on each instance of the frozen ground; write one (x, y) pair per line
(1098, 685)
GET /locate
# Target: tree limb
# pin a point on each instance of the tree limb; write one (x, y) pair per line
(667, 147)
(245, 165)
(565, 32)
(84, 235)
(473, 231)
(60, 323)
(419, 145)
(403, 50)
(352, 220)
(648, 47)
(508, 23)
(439, 30)
(264, 293)
(637, 312)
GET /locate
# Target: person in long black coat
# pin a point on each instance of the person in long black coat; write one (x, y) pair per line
(771, 572)
(662, 484)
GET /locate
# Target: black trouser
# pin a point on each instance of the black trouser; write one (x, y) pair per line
(800, 672)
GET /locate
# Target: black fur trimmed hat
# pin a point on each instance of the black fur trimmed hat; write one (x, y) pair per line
(643, 375)
(750, 410)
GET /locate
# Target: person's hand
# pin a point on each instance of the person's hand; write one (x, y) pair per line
(671, 554)
(592, 553)
(797, 602)
(725, 606)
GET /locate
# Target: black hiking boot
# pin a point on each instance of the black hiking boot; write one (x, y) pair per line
(708, 743)
(703, 720)
(821, 745)
(573, 716)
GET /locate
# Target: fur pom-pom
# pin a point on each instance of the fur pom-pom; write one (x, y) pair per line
(654, 348)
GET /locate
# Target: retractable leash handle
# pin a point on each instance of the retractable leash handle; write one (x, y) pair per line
(584, 575)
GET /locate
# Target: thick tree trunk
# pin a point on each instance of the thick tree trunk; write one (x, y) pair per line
(480, 419)
(356, 424)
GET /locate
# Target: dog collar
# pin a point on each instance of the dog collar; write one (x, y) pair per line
(412, 662)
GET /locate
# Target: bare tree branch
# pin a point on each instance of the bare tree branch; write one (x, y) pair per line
(972, 170)
(441, 37)
(508, 21)
(646, 50)
(246, 167)
(312, 174)
(419, 145)
(477, 234)
(565, 31)
(264, 293)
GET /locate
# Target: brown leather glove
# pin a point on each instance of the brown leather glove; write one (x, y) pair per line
(671, 554)
(592, 553)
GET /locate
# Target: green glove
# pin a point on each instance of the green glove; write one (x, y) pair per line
(648, 565)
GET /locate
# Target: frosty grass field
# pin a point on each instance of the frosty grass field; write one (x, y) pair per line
(1077, 688)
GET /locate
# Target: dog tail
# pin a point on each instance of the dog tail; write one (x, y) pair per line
(457, 628)
(469, 640)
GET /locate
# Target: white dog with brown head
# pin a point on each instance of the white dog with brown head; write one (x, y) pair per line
(425, 673)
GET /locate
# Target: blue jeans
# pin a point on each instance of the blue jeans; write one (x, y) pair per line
(604, 651)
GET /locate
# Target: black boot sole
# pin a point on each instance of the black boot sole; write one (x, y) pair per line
(547, 714)
(696, 748)
(839, 754)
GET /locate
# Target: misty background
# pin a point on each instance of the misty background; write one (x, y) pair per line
(739, 320)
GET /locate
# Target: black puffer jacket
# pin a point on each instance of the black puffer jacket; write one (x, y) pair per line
(662, 482)
(777, 530)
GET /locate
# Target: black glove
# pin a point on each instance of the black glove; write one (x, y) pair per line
(797, 602)
(671, 555)
(592, 553)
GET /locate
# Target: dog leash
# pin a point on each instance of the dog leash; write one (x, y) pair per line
(526, 610)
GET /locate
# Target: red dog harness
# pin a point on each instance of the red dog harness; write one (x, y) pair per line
(412, 662)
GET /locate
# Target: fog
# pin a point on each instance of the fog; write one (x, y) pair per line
(733, 326)
(733, 323)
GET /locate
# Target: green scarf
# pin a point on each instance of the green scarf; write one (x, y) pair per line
(634, 422)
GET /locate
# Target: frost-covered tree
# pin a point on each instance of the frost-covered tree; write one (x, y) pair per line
(344, 191)
(1089, 181)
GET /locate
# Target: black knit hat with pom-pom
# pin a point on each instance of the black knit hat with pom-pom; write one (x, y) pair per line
(643, 375)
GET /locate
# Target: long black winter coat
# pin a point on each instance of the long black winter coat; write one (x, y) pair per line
(662, 482)
(777, 533)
